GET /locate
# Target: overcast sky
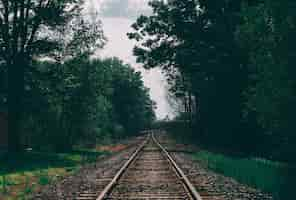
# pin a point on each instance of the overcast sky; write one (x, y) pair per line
(117, 17)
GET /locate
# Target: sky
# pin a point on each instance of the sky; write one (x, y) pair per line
(117, 17)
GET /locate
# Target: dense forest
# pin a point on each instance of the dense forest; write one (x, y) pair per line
(55, 91)
(231, 64)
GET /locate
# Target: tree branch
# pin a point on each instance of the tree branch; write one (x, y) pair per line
(15, 31)
(1, 15)
(5, 32)
(36, 25)
(22, 26)
(25, 25)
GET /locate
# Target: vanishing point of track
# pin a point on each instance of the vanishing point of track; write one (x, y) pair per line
(149, 173)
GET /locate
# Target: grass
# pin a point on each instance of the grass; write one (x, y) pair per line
(268, 176)
(24, 173)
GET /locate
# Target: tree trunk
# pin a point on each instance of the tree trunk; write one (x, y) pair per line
(190, 107)
(16, 71)
(198, 118)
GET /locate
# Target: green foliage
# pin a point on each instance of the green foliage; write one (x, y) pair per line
(47, 73)
(236, 60)
(28, 187)
(34, 29)
(83, 101)
(132, 105)
(24, 173)
(266, 36)
(268, 176)
(43, 178)
(263, 174)
(4, 184)
(231, 64)
(42, 162)
(193, 43)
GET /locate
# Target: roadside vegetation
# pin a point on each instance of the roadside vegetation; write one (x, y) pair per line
(84, 102)
(23, 174)
(268, 176)
(54, 89)
(57, 95)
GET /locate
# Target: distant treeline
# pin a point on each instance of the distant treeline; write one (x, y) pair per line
(84, 101)
(232, 64)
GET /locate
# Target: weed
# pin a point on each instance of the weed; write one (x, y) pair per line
(4, 185)
(43, 178)
(258, 173)
(39, 167)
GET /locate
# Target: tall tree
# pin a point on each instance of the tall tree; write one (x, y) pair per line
(197, 39)
(131, 102)
(23, 25)
(266, 34)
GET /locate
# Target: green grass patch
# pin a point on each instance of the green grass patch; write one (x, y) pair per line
(21, 174)
(268, 176)
(31, 161)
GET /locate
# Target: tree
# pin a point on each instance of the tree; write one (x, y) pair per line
(197, 39)
(132, 105)
(23, 24)
(266, 35)
(84, 100)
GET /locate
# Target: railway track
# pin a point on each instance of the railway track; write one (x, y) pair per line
(149, 173)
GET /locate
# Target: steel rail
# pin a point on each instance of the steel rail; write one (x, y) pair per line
(195, 195)
(109, 187)
(190, 188)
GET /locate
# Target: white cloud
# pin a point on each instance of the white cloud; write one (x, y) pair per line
(121, 8)
(117, 17)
